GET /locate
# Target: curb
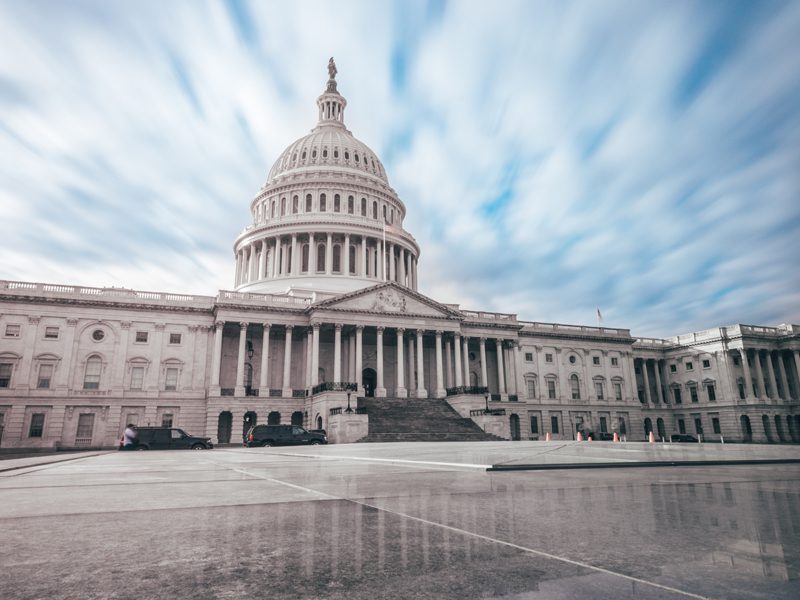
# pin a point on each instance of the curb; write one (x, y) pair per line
(626, 465)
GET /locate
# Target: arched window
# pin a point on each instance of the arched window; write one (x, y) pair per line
(530, 385)
(356, 155)
(384, 212)
(322, 202)
(314, 153)
(294, 157)
(335, 153)
(283, 206)
(272, 210)
(346, 155)
(374, 209)
(576, 387)
(308, 203)
(391, 217)
(91, 377)
(336, 203)
(363, 207)
(352, 259)
(320, 258)
(303, 155)
(304, 266)
(295, 204)
(337, 258)
(324, 153)
(350, 205)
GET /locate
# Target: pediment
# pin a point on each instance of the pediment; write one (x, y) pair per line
(390, 299)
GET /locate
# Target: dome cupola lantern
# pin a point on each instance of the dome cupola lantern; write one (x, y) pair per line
(327, 221)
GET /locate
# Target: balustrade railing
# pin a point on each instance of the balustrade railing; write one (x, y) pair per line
(482, 412)
(250, 391)
(472, 390)
(334, 386)
(226, 392)
(299, 393)
(513, 398)
(275, 393)
(336, 411)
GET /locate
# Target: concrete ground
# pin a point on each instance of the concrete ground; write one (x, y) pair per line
(413, 520)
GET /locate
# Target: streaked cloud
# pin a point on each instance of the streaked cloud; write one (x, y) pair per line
(642, 157)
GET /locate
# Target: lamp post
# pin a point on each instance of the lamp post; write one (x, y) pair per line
(486, 399)
(348, 409)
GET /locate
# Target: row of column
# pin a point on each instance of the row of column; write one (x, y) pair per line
(661, 379)
(283, 256)
(451, 367)
(760, 386)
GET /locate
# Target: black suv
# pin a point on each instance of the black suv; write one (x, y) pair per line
(169, 438)
(682, 437)
(282, 435)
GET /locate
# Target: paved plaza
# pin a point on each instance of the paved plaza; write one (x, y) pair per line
(414, 520)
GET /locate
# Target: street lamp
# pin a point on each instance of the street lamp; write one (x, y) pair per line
(348, 409)
(486, 399)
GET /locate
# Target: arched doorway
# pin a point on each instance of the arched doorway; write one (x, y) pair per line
(224, 427)
(514, 422)
(370, 378)
(319, 421)
(767, 430)
(274, 418)
(648, 426)
(297, 418)
(473, 379)
(250, 420)
(662, 433)
(747, 429)
(779, 428)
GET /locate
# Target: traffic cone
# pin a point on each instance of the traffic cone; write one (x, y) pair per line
(589, 438)
(616, 437)
(547, 437)
(651, 438)
(579, 436)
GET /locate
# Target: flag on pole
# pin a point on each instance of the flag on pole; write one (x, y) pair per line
(599, 316)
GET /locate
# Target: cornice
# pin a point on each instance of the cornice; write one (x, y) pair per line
(581, 338)
(105, 303)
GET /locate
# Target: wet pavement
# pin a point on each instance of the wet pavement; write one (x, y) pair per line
(395, 521)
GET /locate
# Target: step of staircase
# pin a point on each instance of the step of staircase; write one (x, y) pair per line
(418, 420)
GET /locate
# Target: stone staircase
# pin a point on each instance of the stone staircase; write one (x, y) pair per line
(419, 420)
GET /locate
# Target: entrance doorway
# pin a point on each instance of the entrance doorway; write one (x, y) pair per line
(274, 418)
(224, 427)
(747, 429)
(648, 426)
(514, 422)
(297, 418)
(661, 431)
(370, 379)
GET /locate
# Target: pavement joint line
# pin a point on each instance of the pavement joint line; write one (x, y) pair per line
(478, 536)
(42, 466)
(396, 460)
(642, 464)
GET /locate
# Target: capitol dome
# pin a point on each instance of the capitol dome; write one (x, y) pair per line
(326, 221)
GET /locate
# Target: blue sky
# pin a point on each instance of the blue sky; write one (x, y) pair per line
(643, 157)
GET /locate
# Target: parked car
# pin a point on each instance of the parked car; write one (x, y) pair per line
(682, 437)
(282, 435)
(604, 437)
(169, 438)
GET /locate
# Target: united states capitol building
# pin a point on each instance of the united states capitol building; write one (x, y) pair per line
(325, 311)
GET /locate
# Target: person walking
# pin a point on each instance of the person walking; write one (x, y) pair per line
(129, 438)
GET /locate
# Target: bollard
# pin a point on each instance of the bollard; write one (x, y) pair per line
(651, 438)
(547, 437)
(616, 437)
(579, 437)
(721, 440)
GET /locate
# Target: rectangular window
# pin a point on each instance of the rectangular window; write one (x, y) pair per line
(551, 389)
(548, 358)
(531, 383)
(595, 360)
(171, 380)
(529, 357)
(689, 366)
(141, 337)
(618, 391)
(166, 420)
(712, 393)
(37, 425)
(174, 338)
(51, 333)
(741, 390)
(693, 392)
(715, 424)
(681, 426)
(706, 364)
(91, 380)
(576, 388)
(677, 394)
(614, 361)
(85, 429)
(598, 388)
(603, 425)
(698, 426)
(137, 378)
(623, 429)
(12, 330)
(5, 375)
(534, 425)
(45, 375)
(673, 368)
(554, 424)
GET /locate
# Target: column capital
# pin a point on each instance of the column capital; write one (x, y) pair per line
(160, 326)
(33, 320)
(72, 322)
(244, 324)
(125, 324)
(380, 329)
(359, 328)
(266, 326)
(439, 333)
(289, 327)
(338, 326)
(219, 324)
(191, 328)
(482, 339)
(401, 331)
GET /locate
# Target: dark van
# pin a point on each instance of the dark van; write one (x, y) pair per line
(282, 435)
(169, 438)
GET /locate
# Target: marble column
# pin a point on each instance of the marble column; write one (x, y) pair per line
(646, 378)
(362, 268)
(772, 381)
(514, 352)
(329, 255)
(659, 390)
(421, 391)
(309, 357)
(401, 265)
(262, 260)
(284, 258)
(346, 257)
(216, 360)
(409, 276)
(380, 390)
(315, 356)
(391, 263)
(263, 382)
(312, 254)
(360, 357)
(457, 365)
(782, 373)
(287, 364)
(337, 353)
(400, 390)
(796, 356)
(239, 391)
(293, 268)
(465, 358)
(448, 361)
(501, 377)
(748, 376)
(440, 393)
(760, 374)
(411, 366)
(484, 377)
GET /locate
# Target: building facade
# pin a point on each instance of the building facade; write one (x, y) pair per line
(325, 309)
